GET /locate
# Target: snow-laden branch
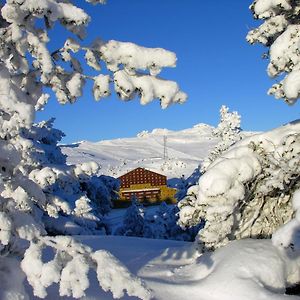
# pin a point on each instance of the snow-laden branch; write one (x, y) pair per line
(280, 31)
(21, 37)
(70, 266)
(228, 130)
(247, 191)
(40, 195)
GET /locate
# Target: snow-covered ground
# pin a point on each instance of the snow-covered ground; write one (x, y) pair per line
(171, 269)
(115, 217)
(185, 150)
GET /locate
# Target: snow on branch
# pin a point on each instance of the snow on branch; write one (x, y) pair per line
(247, 191)
(229, 130)
(22, 36)
(70, 266)
(134, 57)
(280, 31)
(126, 61)
(66, 12)
(149, 87)
(42, 197)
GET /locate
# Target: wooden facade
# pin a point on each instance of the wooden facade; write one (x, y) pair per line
(145, 185)
(142, 176)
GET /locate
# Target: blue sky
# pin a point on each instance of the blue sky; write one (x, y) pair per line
(215, 66)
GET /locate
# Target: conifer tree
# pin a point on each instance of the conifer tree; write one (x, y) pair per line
(228, 130)
(280, 33)
(32, 187)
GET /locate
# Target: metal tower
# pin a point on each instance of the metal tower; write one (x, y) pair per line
(165, 148)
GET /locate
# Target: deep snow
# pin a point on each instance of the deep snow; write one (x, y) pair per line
(171, 269)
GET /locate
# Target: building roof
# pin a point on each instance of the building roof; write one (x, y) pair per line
(142, 176)
(137, 169)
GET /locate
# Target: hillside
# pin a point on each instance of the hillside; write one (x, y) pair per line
(185, 150)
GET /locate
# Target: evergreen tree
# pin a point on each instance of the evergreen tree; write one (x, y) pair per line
(280, 32)
(228, 130)
(252, 190)
(35, 184)
(133, 222)
(163, 224)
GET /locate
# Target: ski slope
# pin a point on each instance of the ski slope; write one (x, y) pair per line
(183, 152)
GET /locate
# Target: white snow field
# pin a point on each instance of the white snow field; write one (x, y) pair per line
(171, 270)
(185, 150)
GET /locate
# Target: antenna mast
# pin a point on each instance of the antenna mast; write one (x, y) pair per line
(165, 148)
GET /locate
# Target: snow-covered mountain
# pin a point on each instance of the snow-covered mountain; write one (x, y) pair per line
(184, 150)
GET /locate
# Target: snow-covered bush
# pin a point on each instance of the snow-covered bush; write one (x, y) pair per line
(183, 184)
(157, 223)
(162, 224)
(228, 130)
(280, 32)
(34, 182)
(101, 190)
(247, 192)
(65, 187)
(134, 220)
(188, 214)
(76, 202)
(288, 235)
(45, 141)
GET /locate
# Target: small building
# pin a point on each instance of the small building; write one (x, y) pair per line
(146, 186)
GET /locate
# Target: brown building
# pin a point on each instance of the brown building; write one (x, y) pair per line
(145, 185)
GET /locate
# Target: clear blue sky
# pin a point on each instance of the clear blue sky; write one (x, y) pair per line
(215, 66)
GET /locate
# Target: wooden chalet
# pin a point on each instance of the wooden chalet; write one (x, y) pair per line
(146, 186)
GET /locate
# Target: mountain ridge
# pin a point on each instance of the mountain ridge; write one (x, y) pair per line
(184, 151)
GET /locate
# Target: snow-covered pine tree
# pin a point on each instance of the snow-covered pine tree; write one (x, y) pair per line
(43, 139)
(65, 187)
(248, 191)
(160, 223)
(280, 32)
(29, 189)
(156, 223)
(133, 221)
(228, 130)
(252, 190)
(101, 190)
